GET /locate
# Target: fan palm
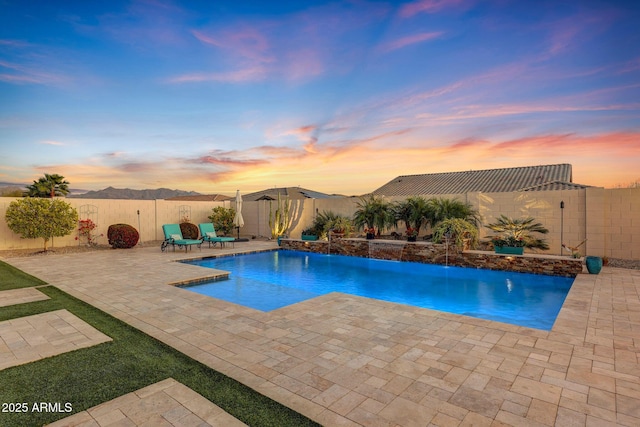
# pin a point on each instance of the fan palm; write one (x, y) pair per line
(48, 186)
(520, 229)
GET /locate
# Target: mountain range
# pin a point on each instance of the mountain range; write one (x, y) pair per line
(129, 194)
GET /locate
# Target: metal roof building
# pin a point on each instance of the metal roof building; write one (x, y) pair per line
(528, 178)
(293, 193)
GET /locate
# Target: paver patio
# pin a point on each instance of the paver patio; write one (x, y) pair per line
(20, 296)
(31, 338)
(166, 403)
(346, 360)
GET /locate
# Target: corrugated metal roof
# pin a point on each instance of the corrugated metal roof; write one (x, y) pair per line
(486, 181)
(293, 193)
(556, 185)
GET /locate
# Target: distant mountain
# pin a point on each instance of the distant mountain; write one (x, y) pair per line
(129, 194)
(11, 190)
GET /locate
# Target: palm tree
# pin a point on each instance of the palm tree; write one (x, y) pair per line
(440, 209)
(520, 229)
(414, 212)
(48, 186)
(373, 212)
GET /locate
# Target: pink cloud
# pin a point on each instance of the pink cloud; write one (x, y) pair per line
(409, 40)
(19, 74)
(253, 74)
(429, 6)
(247, 42)
(229, 161)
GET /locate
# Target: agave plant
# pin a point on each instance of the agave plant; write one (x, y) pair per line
(519, 230)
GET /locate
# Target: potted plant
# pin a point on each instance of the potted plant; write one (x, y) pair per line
(339, 226)
(594, 264)
(517, 234)
(370, 233)
(309, 234)
(412, 234)
(508, 245)
(373, 212)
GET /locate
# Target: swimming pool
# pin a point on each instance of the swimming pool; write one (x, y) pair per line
(270, 280)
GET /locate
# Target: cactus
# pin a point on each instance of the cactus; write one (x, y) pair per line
(280, 220)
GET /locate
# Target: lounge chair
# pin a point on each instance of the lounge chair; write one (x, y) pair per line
(208, 233)
(173, 236)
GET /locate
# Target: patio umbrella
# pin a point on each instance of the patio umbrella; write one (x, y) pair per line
(238, 220)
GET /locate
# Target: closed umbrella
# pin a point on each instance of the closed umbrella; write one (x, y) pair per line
(238, 220)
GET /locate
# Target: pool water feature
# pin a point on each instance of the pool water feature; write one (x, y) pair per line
(270, 280)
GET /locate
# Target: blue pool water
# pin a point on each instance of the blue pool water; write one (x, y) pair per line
(270, 280)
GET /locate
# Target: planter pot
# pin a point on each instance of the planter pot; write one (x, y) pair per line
(594, 264)
(508, 250)
(309, 237)
(371, 236)
(280, 240)
(412, 238)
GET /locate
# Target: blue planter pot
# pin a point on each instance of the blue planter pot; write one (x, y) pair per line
(310, 237)
(508, 250)
(594, 264)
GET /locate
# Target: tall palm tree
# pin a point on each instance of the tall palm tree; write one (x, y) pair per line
(50, 185)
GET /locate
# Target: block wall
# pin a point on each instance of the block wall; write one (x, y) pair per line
(608, 219)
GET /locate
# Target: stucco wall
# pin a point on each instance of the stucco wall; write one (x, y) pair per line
(608, 218)
(153, 213)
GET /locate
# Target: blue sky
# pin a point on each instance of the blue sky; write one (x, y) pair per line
(334, 96)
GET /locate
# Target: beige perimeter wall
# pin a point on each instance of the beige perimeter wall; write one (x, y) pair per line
(609, 219)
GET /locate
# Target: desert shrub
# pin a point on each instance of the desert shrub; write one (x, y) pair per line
(122, 236)
(222, 219)
(189, 230)
(464, 233)
(41, 218)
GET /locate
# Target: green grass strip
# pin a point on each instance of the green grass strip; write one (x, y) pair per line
(12, 278)
(133, 360)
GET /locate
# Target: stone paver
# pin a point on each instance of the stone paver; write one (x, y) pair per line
(346, 360)
(20, 296)
(31, 338)
(166, 403)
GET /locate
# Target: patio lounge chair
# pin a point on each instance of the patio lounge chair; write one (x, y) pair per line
(173, 236)
(208, 233)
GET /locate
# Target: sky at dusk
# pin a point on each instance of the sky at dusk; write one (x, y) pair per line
(338, 97)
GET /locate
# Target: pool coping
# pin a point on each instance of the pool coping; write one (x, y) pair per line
(224, 275)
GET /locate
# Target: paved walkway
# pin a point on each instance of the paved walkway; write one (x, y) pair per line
(31, 338)
(346, 360)
(167, 403)
(20, 296)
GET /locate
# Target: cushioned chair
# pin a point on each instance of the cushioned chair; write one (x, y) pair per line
(208, 233)
(173, 236)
